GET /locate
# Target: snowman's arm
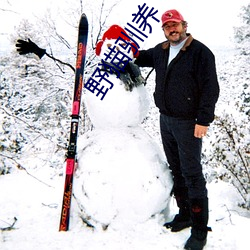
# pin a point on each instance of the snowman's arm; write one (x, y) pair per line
(25, 47)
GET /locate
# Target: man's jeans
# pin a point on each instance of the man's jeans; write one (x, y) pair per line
(183, 152)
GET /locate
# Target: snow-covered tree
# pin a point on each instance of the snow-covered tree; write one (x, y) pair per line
(34, 104)
(36, 95)
(230, 154)
(242, 33)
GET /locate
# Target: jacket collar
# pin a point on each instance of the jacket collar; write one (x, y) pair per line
(166, 44)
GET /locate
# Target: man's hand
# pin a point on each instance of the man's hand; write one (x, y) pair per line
(200, 131)
(24, 47)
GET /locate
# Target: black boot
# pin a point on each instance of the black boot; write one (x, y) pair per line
(197, 240)
(199, 215)
(182, 220)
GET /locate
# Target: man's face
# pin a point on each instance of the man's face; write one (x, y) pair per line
(174, 32)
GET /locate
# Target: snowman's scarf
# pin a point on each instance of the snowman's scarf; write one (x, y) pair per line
(131, 76)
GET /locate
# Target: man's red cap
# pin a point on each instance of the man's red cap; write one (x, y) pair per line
(171, 16)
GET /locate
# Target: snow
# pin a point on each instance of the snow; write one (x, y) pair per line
(122, 177)
(37, 208)
(124, 181)
(119, 108)
(34, 198)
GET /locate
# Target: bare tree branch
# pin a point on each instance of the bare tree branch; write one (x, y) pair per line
(57, 60)
(19, 166)
(10, 227)
(30, 127)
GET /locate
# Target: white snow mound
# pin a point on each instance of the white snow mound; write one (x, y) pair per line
(122, 178)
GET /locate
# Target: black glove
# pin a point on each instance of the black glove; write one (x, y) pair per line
(135, 74)
(24, 47)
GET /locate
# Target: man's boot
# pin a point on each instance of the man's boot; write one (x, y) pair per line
(182, 219)
(199, 215)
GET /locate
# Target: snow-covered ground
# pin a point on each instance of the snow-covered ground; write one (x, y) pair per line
(32, 201)
(37, 208)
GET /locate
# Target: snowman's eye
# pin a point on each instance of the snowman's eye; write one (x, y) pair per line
(122, 45)
(109, 45)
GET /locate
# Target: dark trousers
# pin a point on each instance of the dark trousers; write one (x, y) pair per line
(183, 152)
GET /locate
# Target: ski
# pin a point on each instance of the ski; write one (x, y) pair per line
(71, 160)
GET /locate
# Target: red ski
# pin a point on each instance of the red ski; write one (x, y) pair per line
(71, 153)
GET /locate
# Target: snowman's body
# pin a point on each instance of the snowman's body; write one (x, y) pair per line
(122, 177)
(119, 108)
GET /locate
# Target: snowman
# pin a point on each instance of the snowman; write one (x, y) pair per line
(122, 178)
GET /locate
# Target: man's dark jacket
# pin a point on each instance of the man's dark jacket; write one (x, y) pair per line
(187, 88)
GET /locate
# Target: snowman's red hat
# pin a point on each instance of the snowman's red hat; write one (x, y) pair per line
(114, 32)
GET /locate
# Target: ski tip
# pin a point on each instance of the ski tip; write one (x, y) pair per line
(83, 20)
(83, 16)
(83, 24)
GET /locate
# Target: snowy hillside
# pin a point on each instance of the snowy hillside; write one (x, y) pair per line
(32, 197)
(37, 209)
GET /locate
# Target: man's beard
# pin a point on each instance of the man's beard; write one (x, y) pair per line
(182, 36)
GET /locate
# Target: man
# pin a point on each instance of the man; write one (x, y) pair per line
(186, 93)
